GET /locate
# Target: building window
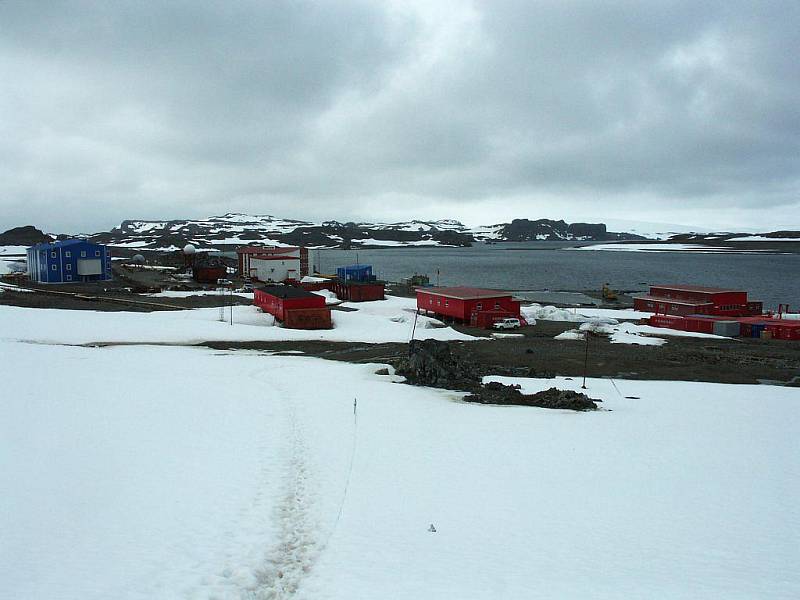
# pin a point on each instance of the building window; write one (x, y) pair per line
(430, 300)
(69, 277)
(497, 306)
(83, 253)
(479, 306)
(447, 302)
(53, 254)
(68, 267)
(54, 267)
(97, 252)
(67, 253)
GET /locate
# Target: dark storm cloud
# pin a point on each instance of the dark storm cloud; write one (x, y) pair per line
(367, 109)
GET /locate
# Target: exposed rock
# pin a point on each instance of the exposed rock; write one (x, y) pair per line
(27, 235)
(431, 363)
(524, 230)
(498, 393)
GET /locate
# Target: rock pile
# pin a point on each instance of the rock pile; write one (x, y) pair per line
(498, 393)
(430, 362)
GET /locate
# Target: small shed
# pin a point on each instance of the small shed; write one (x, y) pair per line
(355, 273)
(294, 307)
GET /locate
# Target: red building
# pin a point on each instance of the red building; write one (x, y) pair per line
(769, 326)
(774, 327)
(294, 307)
(685, 300)
(358, 291)
(477, 307)
(208, 270)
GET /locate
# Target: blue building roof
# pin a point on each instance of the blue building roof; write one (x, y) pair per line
(63, 244)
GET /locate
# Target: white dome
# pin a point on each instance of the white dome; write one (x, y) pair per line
(138, 259)
(189, 249)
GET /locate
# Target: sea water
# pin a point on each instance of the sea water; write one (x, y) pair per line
(556, 266)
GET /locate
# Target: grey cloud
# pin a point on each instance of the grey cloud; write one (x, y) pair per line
(325, 110)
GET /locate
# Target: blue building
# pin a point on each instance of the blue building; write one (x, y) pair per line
(355, 273)
(69, 261)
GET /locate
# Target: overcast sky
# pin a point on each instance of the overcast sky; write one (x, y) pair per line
(681, 112)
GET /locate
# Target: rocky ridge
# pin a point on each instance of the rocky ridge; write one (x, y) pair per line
(235, 229)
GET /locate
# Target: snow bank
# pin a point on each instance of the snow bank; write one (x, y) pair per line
(572, 334)
(190, 293)
(631, 333)
(370, 322)
(579, 315)
(676, 247)
(330, 297)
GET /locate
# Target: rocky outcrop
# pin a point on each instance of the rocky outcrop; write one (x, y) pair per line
(498, 393)
(432, 363)
(24, 236)
(524, 230)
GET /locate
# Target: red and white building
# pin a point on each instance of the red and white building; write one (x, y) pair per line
(273, 264)
(716, 310)
(473, 306)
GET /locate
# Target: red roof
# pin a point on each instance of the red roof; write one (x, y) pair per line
(694, 288)
(267, 250)
(464, 293)
(273, 257)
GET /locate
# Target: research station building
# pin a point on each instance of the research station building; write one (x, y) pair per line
(69, 261)
(473, 306)
(273, 264)
(294, 307)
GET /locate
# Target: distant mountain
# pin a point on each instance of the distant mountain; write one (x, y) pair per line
(235, 229)
(524, 230)
(770, 236)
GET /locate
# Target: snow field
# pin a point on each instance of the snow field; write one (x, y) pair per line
(222, 474)
(391, 320)
(673, 247)
(155, 489)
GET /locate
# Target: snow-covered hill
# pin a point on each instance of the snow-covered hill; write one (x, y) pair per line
(235, 229)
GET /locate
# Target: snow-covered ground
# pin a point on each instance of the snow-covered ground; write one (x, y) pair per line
(152, 472)
(676, 247)
(762, 238)
(390, 320)
(189, 293)
(10, 263)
